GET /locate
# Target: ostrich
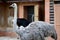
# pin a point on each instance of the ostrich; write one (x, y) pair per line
(22, 28)
(34, 31)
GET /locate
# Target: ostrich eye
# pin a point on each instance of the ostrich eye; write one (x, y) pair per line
(13, 5)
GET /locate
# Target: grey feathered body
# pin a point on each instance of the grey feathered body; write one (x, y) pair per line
(37, 31)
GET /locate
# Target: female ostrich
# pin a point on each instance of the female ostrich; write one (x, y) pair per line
(35, 30)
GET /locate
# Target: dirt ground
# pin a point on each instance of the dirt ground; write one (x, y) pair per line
(8, 38)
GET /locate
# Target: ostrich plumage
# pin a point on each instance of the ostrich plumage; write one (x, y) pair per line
(38, 30)
(34, 31)
(22, 22)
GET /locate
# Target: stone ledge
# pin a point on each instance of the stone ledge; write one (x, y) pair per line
(9, 34)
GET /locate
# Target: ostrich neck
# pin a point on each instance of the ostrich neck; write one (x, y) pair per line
(15, 14)
(15, 27)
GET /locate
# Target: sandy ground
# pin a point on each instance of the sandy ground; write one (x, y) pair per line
(8, 38)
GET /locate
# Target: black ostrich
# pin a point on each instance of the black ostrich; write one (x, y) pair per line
(22, 22)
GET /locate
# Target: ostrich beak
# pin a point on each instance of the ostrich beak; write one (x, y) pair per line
(10, 6)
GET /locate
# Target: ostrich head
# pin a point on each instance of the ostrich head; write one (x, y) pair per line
(13, 5)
